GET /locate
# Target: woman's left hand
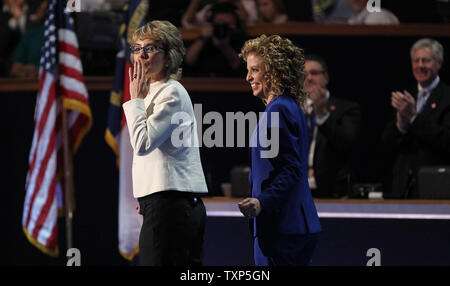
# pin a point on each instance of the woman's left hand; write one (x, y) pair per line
(138, 209)
(250, 207)
(139, 86)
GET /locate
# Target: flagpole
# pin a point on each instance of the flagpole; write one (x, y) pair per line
(67, 178)
(67, 164)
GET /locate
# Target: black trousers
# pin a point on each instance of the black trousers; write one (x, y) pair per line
(172, 229)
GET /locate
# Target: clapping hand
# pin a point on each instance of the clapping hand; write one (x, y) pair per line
(318, 96)
(405, 105)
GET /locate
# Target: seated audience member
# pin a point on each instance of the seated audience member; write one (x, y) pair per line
(197, 16)
(14, 13)
(23, 15)
(361, 15)
(15, 17)
(27, 54)
(331, 11)
(333, 125)
(215, 53)
(271, 11)
(25, 62)
(420, 133)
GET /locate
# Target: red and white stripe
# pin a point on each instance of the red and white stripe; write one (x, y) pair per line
(44, 181)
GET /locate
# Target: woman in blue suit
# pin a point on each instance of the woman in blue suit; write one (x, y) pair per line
(285, 220)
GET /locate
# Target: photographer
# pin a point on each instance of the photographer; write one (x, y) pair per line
(215, 53)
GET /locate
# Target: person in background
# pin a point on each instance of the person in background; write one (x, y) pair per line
(420, 133)
(333, 125)
(198, 17)
(14, 14)
(215, 53)
(27, 55)
(167, 177)
(271, 11)
(11, 32)
(331, 11)
(26, 60)
(281, 208)
(362, 16)
(17, 16)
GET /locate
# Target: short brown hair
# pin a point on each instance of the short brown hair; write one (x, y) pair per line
(166, 34)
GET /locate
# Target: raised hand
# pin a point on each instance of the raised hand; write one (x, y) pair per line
(139, 85)
(318, 96)
(404, 103)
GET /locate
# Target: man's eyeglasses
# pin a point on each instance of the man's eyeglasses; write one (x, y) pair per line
(147, 49)
(314, 72)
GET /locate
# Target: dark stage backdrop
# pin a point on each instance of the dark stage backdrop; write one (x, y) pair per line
(364, 69)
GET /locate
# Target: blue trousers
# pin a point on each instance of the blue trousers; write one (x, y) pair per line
(298, 252)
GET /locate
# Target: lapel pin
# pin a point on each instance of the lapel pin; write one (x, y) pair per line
(433, 105)
(332, 108)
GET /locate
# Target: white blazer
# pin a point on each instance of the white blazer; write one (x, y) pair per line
(158, 164)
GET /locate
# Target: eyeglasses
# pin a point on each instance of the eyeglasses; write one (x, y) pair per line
(147, 49)
(313, 72)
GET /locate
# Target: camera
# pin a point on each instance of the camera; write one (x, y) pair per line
(221, 30)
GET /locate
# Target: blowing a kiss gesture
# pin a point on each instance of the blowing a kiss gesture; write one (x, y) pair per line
(139, 84)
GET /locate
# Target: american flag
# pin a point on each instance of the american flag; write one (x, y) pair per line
(60, 86)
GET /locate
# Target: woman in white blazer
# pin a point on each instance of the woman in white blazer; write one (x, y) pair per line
(167, 175)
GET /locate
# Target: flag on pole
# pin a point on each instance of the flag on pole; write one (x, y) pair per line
(60, 86)
(117, 135)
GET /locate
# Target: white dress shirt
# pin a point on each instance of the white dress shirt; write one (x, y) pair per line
(159, 165)
(424, 93)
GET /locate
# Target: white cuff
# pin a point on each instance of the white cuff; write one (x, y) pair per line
(321, 120)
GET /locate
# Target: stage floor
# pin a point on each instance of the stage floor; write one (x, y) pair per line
(406, 232)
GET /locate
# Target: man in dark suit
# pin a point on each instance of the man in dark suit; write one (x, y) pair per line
(420, 134)
(334, 128)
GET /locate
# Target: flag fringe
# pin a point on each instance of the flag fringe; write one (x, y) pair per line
(111, 141)
(40, 246)
(131, 255)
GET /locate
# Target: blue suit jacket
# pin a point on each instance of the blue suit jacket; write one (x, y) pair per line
(281, 183)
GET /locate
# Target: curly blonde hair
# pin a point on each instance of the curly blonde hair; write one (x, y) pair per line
(166, 34)
(283, 62)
